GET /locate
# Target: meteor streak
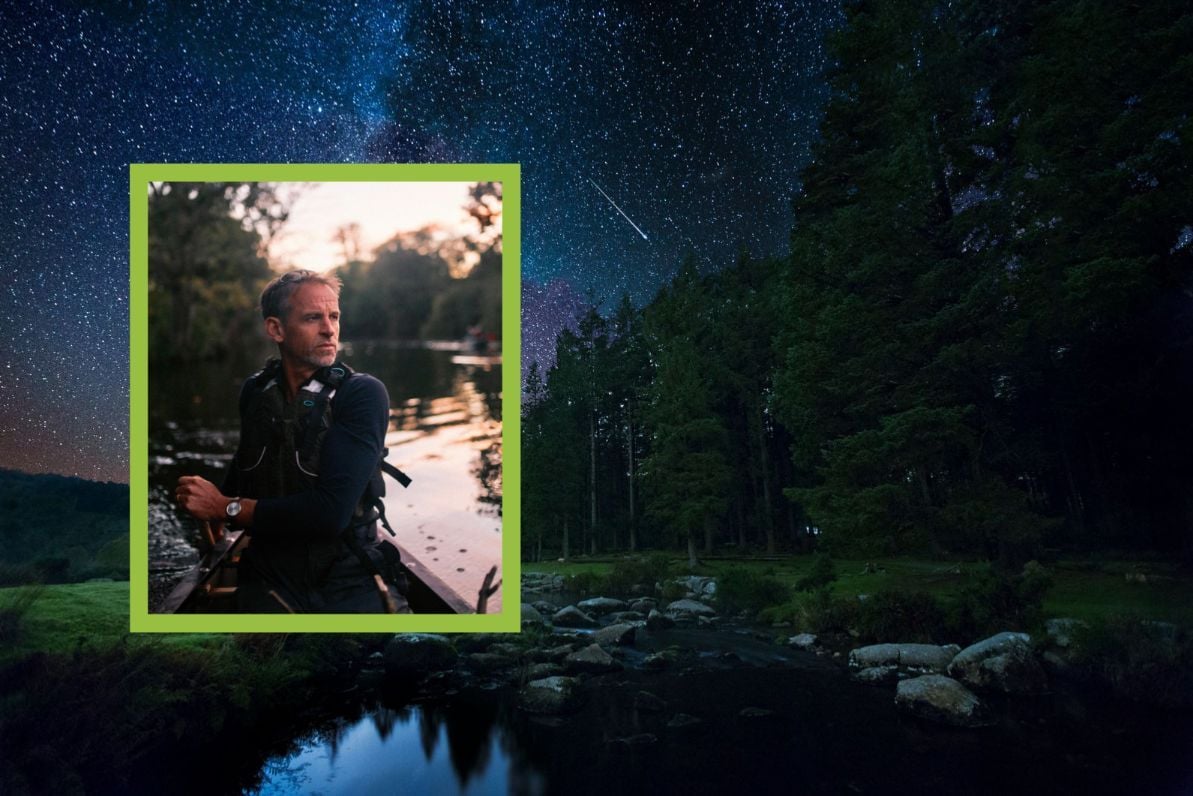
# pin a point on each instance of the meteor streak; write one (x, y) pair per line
(618, 209)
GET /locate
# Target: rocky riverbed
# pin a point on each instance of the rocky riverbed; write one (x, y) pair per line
(618, 694)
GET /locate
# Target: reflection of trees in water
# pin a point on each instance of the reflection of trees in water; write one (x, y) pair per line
(429, 722)
(385, 719)
(470, 727)
(488, 472)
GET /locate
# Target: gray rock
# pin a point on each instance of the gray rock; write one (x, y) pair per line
(688, 610)
(912, 657)
(616, 635)
(1004, 662)
(572, 617)
(531, 616)
(1060, 631)
(942, 699)
(554, 654)
(618, 617)
(538, 671)
(599, 606)
(417, 654)
(545, 608)
(657, 661)
(658, 621)
(591, 659)
(644, 605)
(550, 695)
(877, 675)
(804, 641)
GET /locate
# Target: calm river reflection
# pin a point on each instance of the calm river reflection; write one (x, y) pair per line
(415, 750)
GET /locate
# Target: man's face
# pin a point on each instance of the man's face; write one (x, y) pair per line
(309, 334)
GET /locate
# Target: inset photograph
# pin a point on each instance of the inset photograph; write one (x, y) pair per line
(324, 379)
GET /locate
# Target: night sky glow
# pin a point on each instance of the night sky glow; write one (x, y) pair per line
(695, 120)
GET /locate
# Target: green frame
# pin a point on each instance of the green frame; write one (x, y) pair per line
(140, 619)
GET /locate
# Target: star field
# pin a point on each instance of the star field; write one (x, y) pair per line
(695, 121)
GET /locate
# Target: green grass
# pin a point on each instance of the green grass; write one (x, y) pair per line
(72, 616)
(1083, 589)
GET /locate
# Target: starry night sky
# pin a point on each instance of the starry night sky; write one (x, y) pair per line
(694, 118)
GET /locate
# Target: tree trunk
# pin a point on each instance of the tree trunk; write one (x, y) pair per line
(768, 520)
(629, 445)
(592, 510)
(692, 561)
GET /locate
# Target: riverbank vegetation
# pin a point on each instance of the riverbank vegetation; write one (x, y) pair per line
(1091, 588)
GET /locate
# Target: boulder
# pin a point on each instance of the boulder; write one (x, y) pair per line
(618, 617)
(550, 695)
(657, 661)
(553, 654)
(616, 635)
(942, 699)
(418, 654)
(539, 671)
(531, 616)
(922, 658)
(599, 606)
(591, 659)
(545, 608)
(688, 610)
(804, 641)
(572, 616)
(658, 621)
(877, 675)
(644, 605)
(1004, 662)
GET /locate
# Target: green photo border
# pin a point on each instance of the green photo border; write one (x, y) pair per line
(140, 619)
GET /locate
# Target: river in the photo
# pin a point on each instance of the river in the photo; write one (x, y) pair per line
(445, 432)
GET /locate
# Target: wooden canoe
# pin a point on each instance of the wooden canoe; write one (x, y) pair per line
(210, 586)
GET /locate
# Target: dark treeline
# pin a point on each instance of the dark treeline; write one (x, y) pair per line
(59, 529)
(981, 342)
(208, 262)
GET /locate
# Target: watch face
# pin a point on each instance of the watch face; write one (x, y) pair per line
(233, 508)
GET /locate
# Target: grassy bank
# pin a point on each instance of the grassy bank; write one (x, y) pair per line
(1084, 589)
(87, 706)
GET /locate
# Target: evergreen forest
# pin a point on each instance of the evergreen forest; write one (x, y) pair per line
(979, 344)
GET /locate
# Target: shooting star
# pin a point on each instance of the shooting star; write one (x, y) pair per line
(618, 209)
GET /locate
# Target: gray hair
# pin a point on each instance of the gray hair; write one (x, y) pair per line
(275, 298)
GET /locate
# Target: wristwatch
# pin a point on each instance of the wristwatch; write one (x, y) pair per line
(233, 508)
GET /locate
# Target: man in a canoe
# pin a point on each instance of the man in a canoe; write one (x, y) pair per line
(305, 480)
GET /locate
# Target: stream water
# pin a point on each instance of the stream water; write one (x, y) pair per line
(735, 714)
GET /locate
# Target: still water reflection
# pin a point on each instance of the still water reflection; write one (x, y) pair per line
(413, 750)
(193, 429)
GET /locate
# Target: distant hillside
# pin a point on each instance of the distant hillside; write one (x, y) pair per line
(57, 528)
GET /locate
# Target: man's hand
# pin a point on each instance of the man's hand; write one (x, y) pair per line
(201, 499)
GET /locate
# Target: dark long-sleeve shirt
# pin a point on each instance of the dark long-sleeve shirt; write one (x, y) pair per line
(348, 459)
